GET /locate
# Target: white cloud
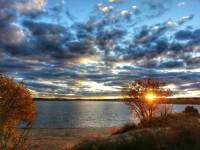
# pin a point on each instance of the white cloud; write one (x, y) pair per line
(155, 28)
(135, 8)
(105, 9)
(171, 86)
(185, 19)
(114, 1)
(30, 5)
(95, 86)
(125, 13)
(171, 24)
(181, 4)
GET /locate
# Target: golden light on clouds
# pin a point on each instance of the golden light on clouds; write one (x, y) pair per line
(187, 93)
(94, 86)
(30, 5)
(171, 87)
(33, 93)
(89, 60)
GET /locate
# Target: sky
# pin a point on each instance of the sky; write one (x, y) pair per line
(94, 48)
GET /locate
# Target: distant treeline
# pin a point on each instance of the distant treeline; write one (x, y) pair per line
(188, 100)
(191, 100)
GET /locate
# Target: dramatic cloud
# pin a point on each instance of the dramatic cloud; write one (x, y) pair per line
(22, 6)
(188, 35)
(30, 5)
(58, 49)
(11, 35)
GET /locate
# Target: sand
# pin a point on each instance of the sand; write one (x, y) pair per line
(59, 139)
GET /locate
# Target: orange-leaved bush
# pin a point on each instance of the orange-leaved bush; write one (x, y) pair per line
(16, 107)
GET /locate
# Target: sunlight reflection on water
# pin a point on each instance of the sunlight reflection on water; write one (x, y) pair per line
(81, 114)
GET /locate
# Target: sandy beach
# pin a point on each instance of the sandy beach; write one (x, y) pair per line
(59, 139)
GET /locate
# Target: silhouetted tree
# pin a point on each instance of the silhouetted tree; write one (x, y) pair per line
(16, 106)
(191, 110)
(143, 97)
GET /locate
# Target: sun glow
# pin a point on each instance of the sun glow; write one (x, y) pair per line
(150, 97)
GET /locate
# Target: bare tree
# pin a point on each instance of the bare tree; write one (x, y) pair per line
(16, 106)
(143, 96)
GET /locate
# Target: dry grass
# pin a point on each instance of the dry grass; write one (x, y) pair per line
(173, 132)
(59, 139)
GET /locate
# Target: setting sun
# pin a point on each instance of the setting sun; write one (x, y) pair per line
(150, 97)
(100, 74)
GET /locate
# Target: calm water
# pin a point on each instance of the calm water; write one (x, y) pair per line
(78, 114)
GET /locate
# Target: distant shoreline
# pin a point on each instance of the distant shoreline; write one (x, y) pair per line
(193, 100)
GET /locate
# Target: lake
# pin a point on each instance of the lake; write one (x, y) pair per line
(81, 114)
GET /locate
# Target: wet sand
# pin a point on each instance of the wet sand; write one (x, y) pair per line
(59, 139)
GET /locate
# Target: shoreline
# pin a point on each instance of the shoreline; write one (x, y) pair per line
(62, 138)
(177, 101)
